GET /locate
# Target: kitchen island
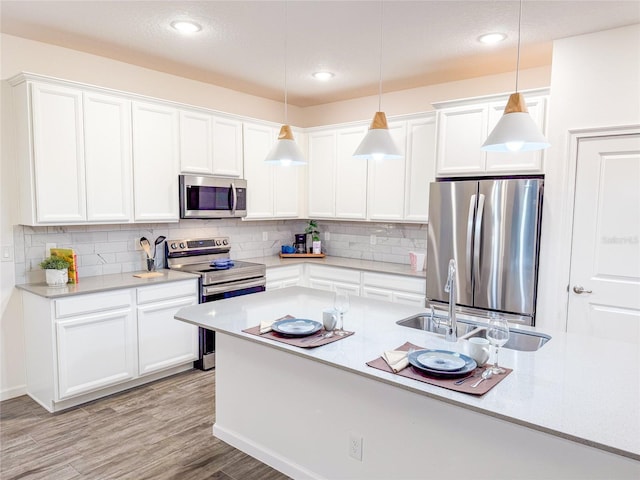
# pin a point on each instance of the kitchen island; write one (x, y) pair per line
(563, 412)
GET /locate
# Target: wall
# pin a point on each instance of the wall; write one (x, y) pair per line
(595, 84)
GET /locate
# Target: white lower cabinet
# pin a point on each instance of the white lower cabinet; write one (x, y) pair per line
(333, 279)
(394, 288)
(164, 341)
(84, 347)
(95, 351)
(282, 277)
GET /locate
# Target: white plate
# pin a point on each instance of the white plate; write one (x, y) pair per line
(441, 360)
(298, 327)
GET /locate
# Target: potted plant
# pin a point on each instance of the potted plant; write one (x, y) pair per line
(312, 229)
(56, 271)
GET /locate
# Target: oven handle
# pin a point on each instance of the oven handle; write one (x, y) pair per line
(231, 287)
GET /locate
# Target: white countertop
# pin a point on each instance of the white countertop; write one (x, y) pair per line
(103, 283)
(576, 387)
(273, 261)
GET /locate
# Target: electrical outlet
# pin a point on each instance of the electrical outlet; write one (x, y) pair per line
(47, 248)
(7, 253)
(327, 236)
(265, 236)
(373, 240)
(355, 446)
(136, 244)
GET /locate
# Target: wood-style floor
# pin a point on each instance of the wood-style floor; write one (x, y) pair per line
(158, 431)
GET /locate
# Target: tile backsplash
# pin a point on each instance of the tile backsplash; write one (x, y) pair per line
(104, 249)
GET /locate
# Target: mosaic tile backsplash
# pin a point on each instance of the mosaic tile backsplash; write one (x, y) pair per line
(104, 249)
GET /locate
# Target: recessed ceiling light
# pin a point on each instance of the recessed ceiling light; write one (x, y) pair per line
(186, 26)
(323, 76)
(491, 38)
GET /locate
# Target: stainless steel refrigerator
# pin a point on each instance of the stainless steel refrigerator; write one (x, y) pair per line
(491, 227)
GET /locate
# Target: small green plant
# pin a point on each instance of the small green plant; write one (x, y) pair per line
(312, 229)
(54, 263)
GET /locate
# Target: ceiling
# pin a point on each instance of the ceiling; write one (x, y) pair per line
(242, 43)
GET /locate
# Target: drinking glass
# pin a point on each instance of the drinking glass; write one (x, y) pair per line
(341, 305)
(497, 334)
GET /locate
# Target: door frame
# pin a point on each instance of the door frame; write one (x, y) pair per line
(574, 137)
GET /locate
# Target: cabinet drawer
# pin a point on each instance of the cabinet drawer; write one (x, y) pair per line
(334, 274)
(183, 288)
(394, 282)
(95, 302)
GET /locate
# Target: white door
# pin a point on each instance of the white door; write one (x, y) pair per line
(107, 133)
(604, 289)
(227, 147)
(322, 162)
(258, 140)
(196, 142)
(163, 341)
(351, 175)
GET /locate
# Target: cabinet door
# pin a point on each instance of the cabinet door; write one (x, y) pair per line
(95, 351)
(386, 188)
(351, 175)
(107, 144)
(196, 145)
(377, 293)
(461, 133)
(321, 284)
(421, 167)
(155, 162)
(322, 180)
(227, 147)
(163, 341)
(258, 140)
(409, 299)
(517, 162)
(286, 190)
(58, 153)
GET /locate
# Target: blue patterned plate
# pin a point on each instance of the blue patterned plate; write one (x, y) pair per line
(468, 366)
(296, 327)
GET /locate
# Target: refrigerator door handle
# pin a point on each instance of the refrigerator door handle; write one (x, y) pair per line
(478, 232)
(472, 207)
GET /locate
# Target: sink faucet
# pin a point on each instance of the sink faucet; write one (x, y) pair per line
(450, 288)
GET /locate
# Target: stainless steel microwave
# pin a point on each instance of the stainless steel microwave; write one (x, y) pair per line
(204, 196)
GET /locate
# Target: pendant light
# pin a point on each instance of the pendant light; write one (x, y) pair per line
(516, 131)
(286, 151)
(377, 143)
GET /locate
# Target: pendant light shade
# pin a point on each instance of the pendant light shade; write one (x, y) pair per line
(377, 143)
(286, 151)
(516, 131)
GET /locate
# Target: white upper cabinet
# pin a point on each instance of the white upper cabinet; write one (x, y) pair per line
(387, 180)
(272, 191)
(227, 147)
(58, 154)
(421, 166)
(463, 126)
(351, 175)
(210, 144)
(322, 182)
(155, 162)
(74, 150)
(107, 130)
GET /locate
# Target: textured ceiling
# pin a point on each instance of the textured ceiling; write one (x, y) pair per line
(242, 43)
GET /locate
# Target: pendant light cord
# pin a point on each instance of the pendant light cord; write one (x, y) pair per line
(518, 56)
(380, 72)
(285, 64)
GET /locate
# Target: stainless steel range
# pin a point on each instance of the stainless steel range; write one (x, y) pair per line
(220, 277)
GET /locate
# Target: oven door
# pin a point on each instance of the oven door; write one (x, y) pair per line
(211, 293)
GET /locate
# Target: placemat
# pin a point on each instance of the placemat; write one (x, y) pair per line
(417, 374)
(312, 341)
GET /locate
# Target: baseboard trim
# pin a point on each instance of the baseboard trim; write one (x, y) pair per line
(263, 454)
(13, 392)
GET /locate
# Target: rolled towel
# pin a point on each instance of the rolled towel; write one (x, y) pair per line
(396, 359)
(265, 325)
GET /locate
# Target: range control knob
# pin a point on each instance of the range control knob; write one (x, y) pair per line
(182, 245)
(218, 243)
(173, 246)
(225, 242)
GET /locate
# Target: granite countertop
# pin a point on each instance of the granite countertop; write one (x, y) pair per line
(576, 387)
(273, 261)
(103, 283)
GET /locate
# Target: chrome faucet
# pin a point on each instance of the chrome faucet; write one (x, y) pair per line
(450, 288)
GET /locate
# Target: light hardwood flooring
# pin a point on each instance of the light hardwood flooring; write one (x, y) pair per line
(158, 431)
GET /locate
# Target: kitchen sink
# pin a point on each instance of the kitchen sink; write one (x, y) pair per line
(521, 340)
